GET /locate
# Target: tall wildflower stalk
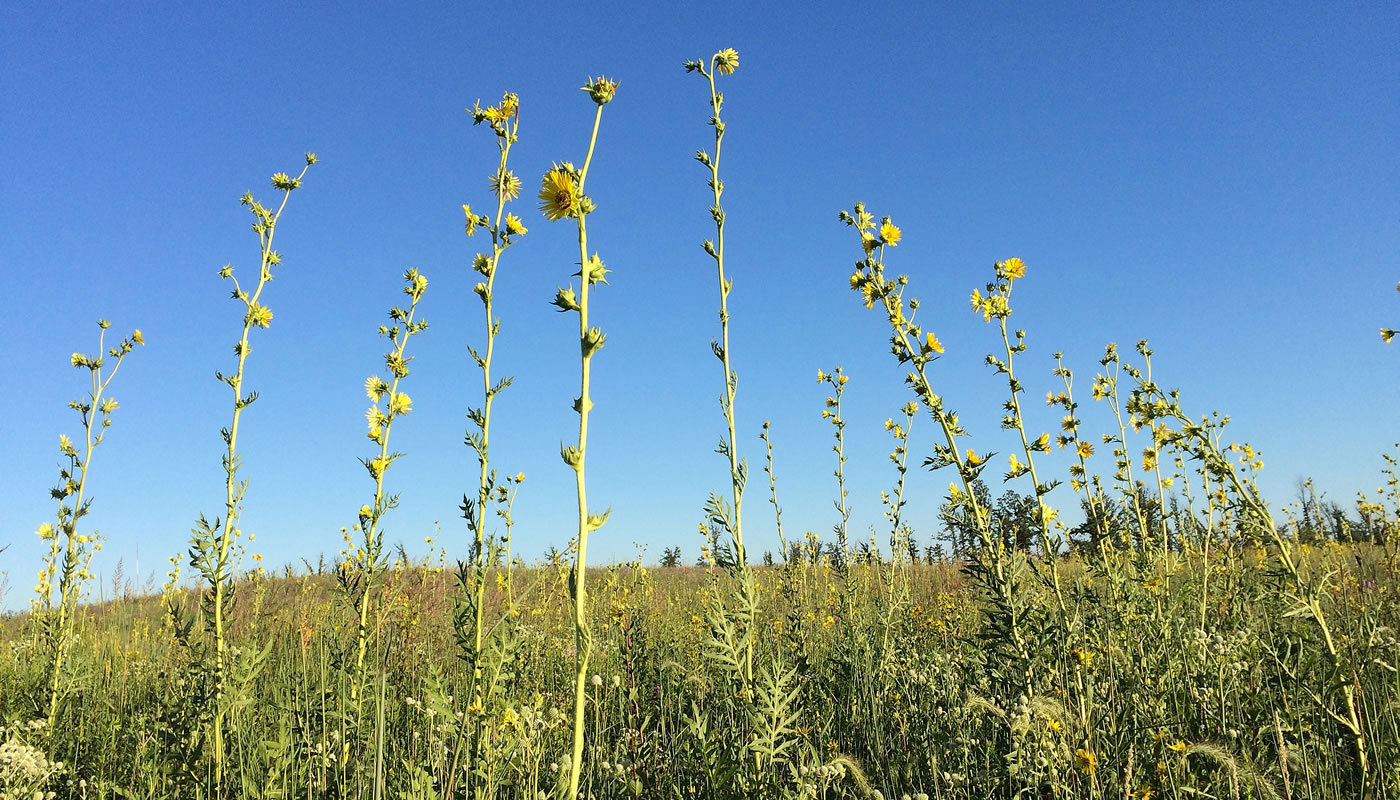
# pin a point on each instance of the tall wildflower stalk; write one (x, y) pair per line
(214, 544)
(505, 229)
(361, 577)
(832, 413)
(725, 62)
(70, 553)
(562, 195)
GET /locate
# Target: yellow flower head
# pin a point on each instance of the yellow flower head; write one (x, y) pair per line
(726, 61)
(471, 220)
(1014, 268)
(558, 193)
(1085, 449)
(1085, 761)
(259, 315)
(514, 226)
(505, 184)
(890, 234)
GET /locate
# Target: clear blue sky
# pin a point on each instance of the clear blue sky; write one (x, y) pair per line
(1220, 179)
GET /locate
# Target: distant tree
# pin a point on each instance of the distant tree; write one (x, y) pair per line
(767, 558)
(671, 557)
(835, 555)
(913, 548)
(930, 552)
(796, 554)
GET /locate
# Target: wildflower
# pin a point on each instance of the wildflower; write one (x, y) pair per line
(726, 61)
(505, 184)
(1177, 747)
(259, 315)
(1085, 761)
(558, 192)
(79, 361)
(1085, 449)
(1055, 726)
(519, 477)
(1014, 268)
(890, 233)
(375, 387)
(1386, 334)
(514, 226)
(931, 344)
(603, 89)
(471, 220)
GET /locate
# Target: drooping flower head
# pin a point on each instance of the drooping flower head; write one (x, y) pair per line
(726, 61)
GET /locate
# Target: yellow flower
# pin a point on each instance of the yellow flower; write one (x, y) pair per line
(505, 184)
(867, 294)
(726, 61)
(557, 194)
(514, 226)
(890, 234)
(138, 337)
(931, 343)
(869, 243)
(1177, 747)
(1085, 761)
(1386, 333)
(259, 315)
(1043, 443)
(1085, 449)
(977, 300)
(1014, 267)
(471, 220)
(520, 477)
(1055, 726)
(79, 361)
(375, 387)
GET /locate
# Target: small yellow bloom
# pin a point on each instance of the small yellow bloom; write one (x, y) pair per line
(504, 183)
(1387, 334)
(519, 477)
(931, 343)
(514, 226)
(78, 360)
(1085, 449)
(1014, 267)
(259, 315)
(138, 337)
(726, 61)
(1085, 761)
(890, 233)
(1055, 726)
(471, 220)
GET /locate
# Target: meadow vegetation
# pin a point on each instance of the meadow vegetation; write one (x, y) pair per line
(1179, 637)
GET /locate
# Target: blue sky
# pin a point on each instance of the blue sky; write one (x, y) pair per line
(1219, 179)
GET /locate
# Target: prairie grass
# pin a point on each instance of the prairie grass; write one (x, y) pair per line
(1186, 639)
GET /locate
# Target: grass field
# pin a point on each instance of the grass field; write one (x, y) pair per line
(1186, 639)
